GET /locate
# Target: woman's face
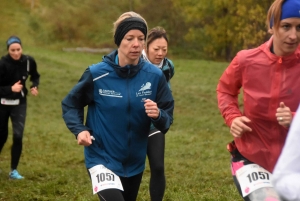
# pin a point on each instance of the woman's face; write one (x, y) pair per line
(157, 50)
(131, 47)
(15, 51)
(286, 39)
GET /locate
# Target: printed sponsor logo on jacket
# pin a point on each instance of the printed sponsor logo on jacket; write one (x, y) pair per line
(145, 90)
(112, 93)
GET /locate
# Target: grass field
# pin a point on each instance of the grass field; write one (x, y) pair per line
(196, 160)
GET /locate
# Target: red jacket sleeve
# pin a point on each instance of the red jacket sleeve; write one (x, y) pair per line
(228, 90)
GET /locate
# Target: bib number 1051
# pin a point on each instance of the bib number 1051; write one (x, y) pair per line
(105, 177)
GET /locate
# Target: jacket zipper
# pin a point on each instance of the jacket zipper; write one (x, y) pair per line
(129, 126)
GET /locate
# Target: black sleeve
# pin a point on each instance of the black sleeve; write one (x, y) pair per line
(34, 75)
(4, 90)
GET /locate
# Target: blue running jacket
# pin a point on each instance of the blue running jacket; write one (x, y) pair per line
(116, 114)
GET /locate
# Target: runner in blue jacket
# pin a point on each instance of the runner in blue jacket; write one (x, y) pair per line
(124, 94)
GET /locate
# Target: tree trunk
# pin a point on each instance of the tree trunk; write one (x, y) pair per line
(32, 4)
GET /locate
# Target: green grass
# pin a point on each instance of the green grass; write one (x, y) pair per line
(196, 160)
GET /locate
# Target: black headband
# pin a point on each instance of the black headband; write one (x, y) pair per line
(127, 25)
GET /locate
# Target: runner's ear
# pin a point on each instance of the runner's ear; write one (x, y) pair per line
(270, 31)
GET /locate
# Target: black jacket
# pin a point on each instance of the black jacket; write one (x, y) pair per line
(11, 71)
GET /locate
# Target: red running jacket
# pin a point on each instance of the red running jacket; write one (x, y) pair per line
(266, 80)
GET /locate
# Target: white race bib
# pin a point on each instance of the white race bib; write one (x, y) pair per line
(103, 178)
(252, 177)
(5, 101)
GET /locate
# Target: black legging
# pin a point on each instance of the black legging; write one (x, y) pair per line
(156, 152)
(130, 185)
(17, 113)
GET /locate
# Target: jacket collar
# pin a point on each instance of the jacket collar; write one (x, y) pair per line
(127, 71)
(8, 58)
(267, 49)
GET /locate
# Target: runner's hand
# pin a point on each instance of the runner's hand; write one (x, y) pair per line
(84, 138)
(238, 126)
(17, 87)
(284, 115)
(151, 109)
(34, 91)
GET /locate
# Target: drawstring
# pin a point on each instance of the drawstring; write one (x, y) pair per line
(27, 65)
(128, 72)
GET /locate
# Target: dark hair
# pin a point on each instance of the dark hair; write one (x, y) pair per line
(155, 33)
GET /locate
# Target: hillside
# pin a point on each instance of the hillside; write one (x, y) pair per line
(57, 24)
(14, 21)
(68, 24)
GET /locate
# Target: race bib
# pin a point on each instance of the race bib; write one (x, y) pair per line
(252, 177)
(5, 101)
(103, 178)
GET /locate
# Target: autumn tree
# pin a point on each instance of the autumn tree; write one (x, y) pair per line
(220, 28)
